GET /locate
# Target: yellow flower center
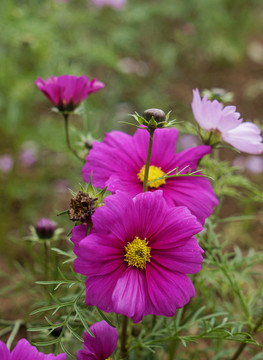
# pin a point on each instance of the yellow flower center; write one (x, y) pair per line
(137, 253)
(154, 173)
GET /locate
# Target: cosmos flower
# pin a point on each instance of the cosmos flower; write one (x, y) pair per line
(25, 351)
(226, 122)
(66, 92)
(137, 255)
(119, 161)
(111, 3)
(102, 346)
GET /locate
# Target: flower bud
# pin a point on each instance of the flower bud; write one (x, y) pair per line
(81, 207)
(157, 114)
(45, 228)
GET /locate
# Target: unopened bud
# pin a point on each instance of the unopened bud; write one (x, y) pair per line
(157, 114)
(81, 207)
(45, 228)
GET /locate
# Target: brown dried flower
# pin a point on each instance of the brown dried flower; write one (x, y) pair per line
(81, 207)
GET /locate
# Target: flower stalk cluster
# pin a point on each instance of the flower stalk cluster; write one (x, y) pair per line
(136, 244)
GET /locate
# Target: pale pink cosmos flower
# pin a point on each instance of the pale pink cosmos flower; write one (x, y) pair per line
(212, 116)
(117, 4)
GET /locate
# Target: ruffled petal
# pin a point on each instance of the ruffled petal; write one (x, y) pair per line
(164, 146)
(246, 137)
(178, 226)
(25, 351)
(78, 233)
(151, 211)
(185, 258)
(116, 218)
(190, 157)
(129, 294)
(230, 119)
(167, 290)
(207, 113)
(98, 255)
(99, 289)
(195, 193)
(114, 155)
(4, 352)
(102, 345)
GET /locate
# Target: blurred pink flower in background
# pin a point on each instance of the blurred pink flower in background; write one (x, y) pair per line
(62, 185)
(28, 156)
(212, 116)
(112, 3)
(6, 163)
(253, 164)
(188, 141)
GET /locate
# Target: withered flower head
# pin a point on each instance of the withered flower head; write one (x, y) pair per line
(81, 207)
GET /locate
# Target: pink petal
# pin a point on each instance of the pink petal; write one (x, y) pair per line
(190, 157)
(179, 224)
(129, 294)
(230, 119)
(207, 113)
(246, 137)
(193, 192)
(99, 289)
(4, 351)
(168, 290)
(185, 258)
(164, 146)
(102, 345)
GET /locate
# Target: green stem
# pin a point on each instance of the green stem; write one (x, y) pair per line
(5, 331)
(173, 348)
(147, 165)
(243, 345)
(124, 352)
(46, 265)
(68, 139)
(13, 334)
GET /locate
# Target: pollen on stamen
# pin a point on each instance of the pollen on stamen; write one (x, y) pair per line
(154, 173)
(137, 253)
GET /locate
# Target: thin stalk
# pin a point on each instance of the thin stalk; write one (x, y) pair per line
(46, 265)
(5, 331)
(68, 139)
(147, 165)
(173, 347)
(13, 334)
(124, 352)
(243, 345)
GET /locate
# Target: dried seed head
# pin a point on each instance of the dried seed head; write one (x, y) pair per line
(81, 207)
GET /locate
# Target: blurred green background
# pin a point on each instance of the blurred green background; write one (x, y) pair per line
(150, 53)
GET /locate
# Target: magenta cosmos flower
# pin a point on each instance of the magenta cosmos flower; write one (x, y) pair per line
(212, 116)
(66, 92)
(25, 351)
(102, 345)
(137, 255)
(119, 161)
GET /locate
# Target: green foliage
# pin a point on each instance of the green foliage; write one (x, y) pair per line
(229, 181)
